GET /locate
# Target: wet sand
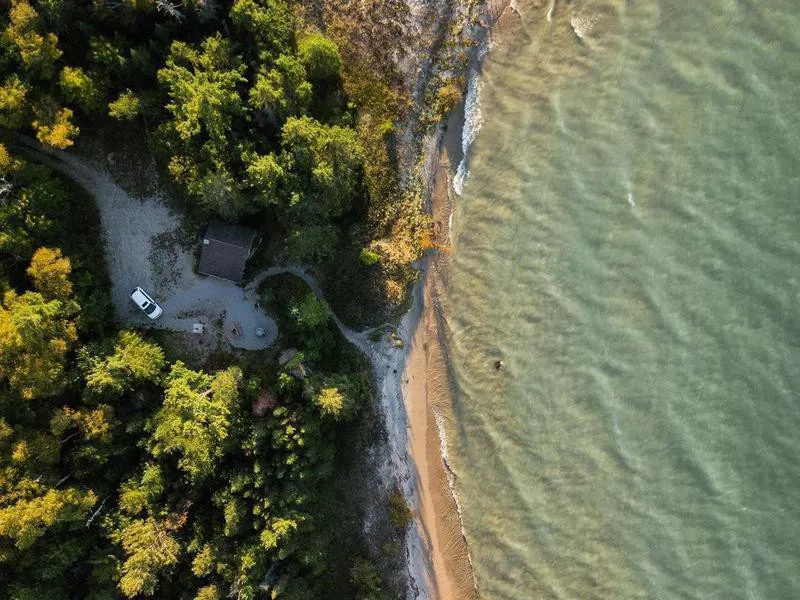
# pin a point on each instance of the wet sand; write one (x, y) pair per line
(427, 387)
(426, 394)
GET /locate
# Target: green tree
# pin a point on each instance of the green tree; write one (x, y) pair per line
(265, 174)
(205, 104)
(202, 87)
(134, 361)
(109, 57)
(93, 424)
(283, 90)
(33, 210)
(278, 531)
(367, 581)
(269, 23)
(399, 513)
(150, 551)
(327, 162)
(79, 88)
(197, 418)
(310, 313)
(138, 493)
(321, 57)
(126, 107)
(218, 190)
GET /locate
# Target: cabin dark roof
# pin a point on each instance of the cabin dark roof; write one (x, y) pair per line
(226, 248)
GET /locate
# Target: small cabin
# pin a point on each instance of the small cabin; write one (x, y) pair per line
(226, 248)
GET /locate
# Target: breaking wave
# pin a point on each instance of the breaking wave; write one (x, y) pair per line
(473, 119)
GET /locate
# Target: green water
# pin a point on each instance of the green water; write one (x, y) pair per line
(628, 243)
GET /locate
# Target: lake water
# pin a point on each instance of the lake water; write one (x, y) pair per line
(628, 243)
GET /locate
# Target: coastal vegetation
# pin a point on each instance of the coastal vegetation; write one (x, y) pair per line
(126, 468)
(125, 472)
(278, 113)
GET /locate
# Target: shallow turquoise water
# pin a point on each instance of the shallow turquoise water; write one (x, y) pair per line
(628, 243)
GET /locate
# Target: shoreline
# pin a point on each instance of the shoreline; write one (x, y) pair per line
(425, 377)
(426, 397)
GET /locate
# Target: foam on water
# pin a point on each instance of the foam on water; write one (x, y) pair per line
(473, 119)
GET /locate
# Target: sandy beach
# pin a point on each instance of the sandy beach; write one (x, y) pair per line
(427, 388)
(426, 392)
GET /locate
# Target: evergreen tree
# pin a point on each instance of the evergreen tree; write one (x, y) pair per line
(133, 361)
(197, 418)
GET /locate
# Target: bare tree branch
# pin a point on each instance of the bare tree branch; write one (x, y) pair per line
(97, 512)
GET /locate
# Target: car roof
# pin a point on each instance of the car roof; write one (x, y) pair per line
(140, 296)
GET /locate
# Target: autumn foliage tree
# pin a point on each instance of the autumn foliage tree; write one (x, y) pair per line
(50, 272)
(37, 329)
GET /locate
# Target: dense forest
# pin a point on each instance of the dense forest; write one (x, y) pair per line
(125, 471)
(252, 111)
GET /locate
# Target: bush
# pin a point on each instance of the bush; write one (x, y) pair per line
(368, 257)
(320, 56)
(310, 313)
(399, 512)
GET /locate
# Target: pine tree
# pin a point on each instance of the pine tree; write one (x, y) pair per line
(197, 418)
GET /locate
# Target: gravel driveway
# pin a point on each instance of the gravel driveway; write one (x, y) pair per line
(142, 249)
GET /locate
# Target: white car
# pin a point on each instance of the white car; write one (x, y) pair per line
(146, 303)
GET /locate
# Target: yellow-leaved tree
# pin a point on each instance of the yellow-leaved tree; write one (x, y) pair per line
(54, 127)
(50, 272)
(38, 50)
(37, 329)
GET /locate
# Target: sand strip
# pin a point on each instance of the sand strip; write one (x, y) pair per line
(427, 385)
(426, 394)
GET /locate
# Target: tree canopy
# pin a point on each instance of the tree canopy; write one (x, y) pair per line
(131, 469)
(36, 332)
(197, 418)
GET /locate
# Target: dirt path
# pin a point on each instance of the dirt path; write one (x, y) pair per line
(142, 249)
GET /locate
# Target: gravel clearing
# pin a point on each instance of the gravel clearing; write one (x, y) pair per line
(142, 249)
